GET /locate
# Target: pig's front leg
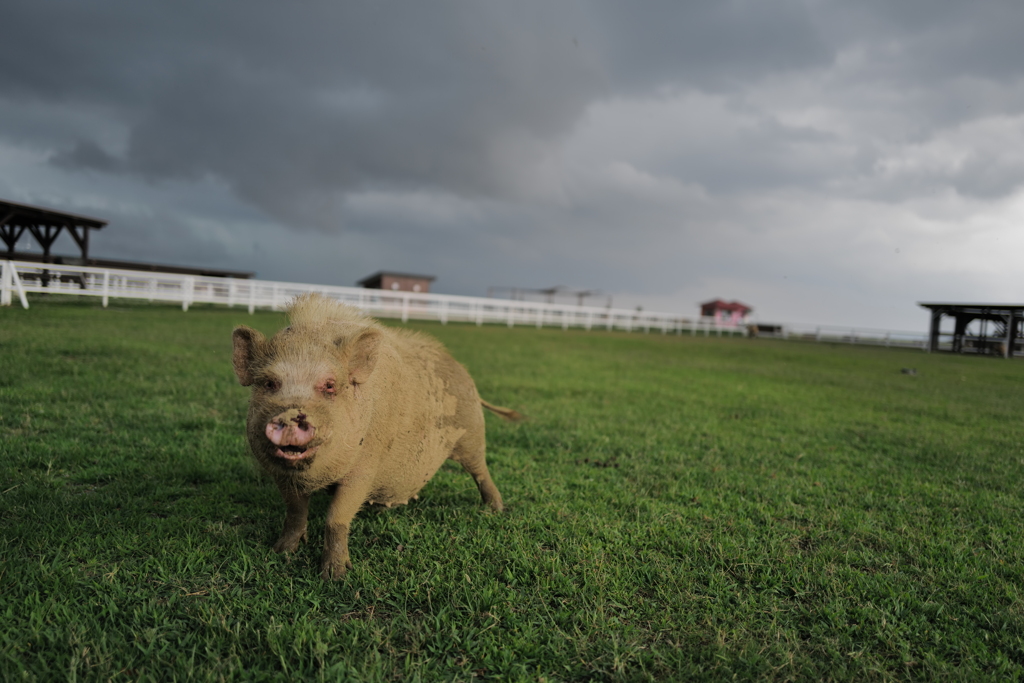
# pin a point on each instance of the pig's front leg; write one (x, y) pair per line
(349, 496)
(294, 532)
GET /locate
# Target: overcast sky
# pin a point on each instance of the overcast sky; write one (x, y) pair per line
(824, 162)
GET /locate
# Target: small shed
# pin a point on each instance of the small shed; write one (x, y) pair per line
(727, 313)
(398, 282)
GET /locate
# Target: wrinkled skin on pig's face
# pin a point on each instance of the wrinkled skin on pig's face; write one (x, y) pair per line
(299, 410)
(296, 401)
(288, 420)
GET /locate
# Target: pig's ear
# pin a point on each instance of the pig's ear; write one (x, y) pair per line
(247, 342)
(362, 355)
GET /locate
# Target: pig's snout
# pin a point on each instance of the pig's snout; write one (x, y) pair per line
(291, 432)
(290, 435)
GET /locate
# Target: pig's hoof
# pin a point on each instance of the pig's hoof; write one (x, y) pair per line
(334, 569)
(289, 543)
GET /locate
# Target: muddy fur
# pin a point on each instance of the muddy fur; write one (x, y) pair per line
(371, 411)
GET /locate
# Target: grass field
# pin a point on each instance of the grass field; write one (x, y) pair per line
(679, 508)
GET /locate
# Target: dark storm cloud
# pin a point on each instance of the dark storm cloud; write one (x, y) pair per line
(296, 105)
(291, 103)
(935, 40)
(712, 45)
(712, 146)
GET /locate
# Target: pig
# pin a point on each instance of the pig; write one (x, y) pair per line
(340, 401)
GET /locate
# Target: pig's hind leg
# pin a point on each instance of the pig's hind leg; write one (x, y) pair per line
(470, 452)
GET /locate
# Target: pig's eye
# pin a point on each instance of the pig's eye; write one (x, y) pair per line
(271, 384)
(329, 388)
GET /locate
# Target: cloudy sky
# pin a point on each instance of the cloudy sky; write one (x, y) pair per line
(825, 162)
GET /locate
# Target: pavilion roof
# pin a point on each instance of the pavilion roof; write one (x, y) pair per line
(16, 214)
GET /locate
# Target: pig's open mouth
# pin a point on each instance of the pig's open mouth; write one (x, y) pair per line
(292, 438)
(294, 453)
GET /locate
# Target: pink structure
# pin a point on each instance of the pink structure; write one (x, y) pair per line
(725, 313)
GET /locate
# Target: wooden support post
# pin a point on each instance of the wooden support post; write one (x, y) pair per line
(1011, 331)
(962, 321)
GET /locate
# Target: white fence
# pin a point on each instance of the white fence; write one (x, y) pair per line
(852, 335)
(21, 278)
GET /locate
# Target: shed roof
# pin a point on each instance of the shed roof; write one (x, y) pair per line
(45, 225)
(971, 308)
(391, 273)
(726, 305)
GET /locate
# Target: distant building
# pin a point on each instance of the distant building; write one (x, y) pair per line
(725, 312)
(398, 282)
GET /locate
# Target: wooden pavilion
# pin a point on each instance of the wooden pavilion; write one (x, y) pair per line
(45, 225)
(988, 329)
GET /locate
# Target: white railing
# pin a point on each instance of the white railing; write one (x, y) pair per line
(851, 335)
(21, 278)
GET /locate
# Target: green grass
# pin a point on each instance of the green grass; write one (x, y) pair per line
(679, 508)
